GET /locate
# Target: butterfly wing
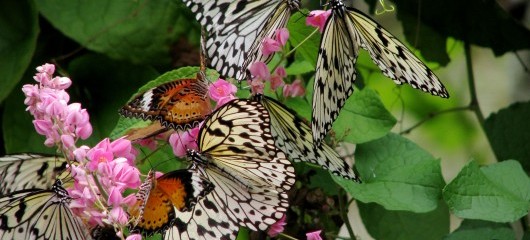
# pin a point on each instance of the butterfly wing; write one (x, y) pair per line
(251, 176)
(208, 220)
(237, 29)
(335, 74)
(39, 214)
(293, 137)
(159, 200)
(393, 57)
(181, 104)
(28, 171)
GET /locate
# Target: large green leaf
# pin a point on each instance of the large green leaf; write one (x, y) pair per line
(18, 39)
(363, 118)
(476, 229)
(499, 192)
(509, 133)
(396, 174)
(142, 31)
(385, 224)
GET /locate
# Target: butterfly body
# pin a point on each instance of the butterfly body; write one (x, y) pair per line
(236, 30)
(180, 104)
(236, 152)
(160, 199)
(345, 31)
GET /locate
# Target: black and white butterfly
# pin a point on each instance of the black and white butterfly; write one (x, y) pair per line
(293, 136)
(28, 171)
(346, 31)
(40, 214)
(237, 154)
(236, 29)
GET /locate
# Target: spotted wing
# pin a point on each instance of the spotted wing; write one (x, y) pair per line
(335, 74)
(293, 136)
(39, 214)
(28, 171)
(250, 175)
(181, 104)
(236, 30)
(393, 57)
(159, 200)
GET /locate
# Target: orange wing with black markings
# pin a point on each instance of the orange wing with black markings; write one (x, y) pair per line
(181, 104)
(160, 199)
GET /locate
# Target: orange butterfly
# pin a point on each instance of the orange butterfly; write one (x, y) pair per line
(160, 199)
(181, 104)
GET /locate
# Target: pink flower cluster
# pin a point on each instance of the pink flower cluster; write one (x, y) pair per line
(260, 73)
(60, 122)
(100, 200)
(270, 46)
(318, 19)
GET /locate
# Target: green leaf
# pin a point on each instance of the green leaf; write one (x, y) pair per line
(18, 40)
(300, 67)
(499, 192)
(126, 124)
(363, 118)
(508, 133)
(384, 224)
(476, 229)
(298, 32)
(139, 31)
(396, 174)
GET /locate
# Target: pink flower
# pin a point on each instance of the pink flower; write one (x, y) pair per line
(314, 235)
(270, 46)
(277, 78)
(282, 35)
(224, 100)
(257, 86)
(220, 89)
(147, 142)
(277, 227)
(294, 89)
(118, 215)
(318, 19)
(134, 237)
(259, 70)
(181, 142)
(54, 117)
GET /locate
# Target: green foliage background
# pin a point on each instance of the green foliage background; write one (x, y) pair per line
(413, 177)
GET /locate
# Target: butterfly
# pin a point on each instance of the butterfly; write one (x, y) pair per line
(180, 104)
(345, 31)
(236, 152)
(160, 199)
(237, 28)
(40, 214)
(293, 137)
(29, 170)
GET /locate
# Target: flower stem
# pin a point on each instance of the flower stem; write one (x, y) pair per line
(344, 214)
(287, 236)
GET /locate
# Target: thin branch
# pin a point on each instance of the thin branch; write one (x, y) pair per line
(474, 106)
(432, 115)
(344, 214)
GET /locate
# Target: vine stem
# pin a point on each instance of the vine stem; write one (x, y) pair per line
(287, 236)
(285, 55)
(344, 214)
(473, 105)
(432, 115)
